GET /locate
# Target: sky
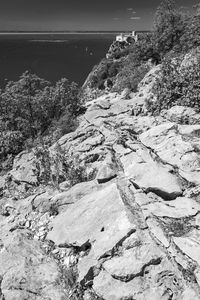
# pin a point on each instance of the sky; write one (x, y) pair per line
(44, 15)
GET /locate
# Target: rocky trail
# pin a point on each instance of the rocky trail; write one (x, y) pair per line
(133, 232)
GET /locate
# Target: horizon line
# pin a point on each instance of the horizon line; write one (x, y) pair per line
(70, 31)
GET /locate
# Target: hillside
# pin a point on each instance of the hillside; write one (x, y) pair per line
(109, 210)
(132, 232)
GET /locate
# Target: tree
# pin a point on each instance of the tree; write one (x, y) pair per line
(191, 35)
(31, 106)
(168, 26)
(144, 50)
(19, 107)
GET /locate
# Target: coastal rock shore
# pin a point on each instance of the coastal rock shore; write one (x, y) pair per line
(131, 232)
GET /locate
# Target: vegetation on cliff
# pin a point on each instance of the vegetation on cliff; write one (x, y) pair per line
(175, 32)
(32, 108)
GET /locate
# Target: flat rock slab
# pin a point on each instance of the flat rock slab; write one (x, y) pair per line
(157, 231)
(27, 273)
(61, 200)
(133, 261)
(158, 282)
(168, 141)
(190, 245)
(99, 218)
(154, 178)
(111, 289)
(179, 208)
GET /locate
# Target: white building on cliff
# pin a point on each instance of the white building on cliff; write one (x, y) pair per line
(124, 37)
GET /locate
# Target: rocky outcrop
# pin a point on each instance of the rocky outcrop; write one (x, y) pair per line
(131, 232)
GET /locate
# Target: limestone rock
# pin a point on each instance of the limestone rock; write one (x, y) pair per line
(133, 261)
(145, 87)
(23, 168)
(168, 143)
(155, 178)
(179, 208)
(133, 237)
(61, 200)
(155, 284)
(27, 273)
(105, 173)
(104, 212)
(157, 231)
(182, 115)
(190, 245)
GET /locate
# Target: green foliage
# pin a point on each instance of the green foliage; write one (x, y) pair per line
(179, 84)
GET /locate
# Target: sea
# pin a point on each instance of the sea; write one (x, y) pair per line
(51, 56)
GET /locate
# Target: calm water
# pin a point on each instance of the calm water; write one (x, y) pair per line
(51, 56)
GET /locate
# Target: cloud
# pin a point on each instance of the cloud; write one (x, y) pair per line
(133, 12)
(129, 8)
(135, 18)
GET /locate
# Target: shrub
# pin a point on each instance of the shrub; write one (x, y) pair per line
(130, 76)
(177, 85)
(69, 167)
(42, 164)
(144, 50)
(58, 166)
(106, 69)
(11, 142)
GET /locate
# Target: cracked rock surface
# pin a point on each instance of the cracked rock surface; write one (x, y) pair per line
(132, 232)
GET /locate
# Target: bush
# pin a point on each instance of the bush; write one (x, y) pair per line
(68, 168)
(144, 50)
(107, 69)
(177, 85)
(58, 166)
(191, 33)
(11, 142)
(130, 77)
